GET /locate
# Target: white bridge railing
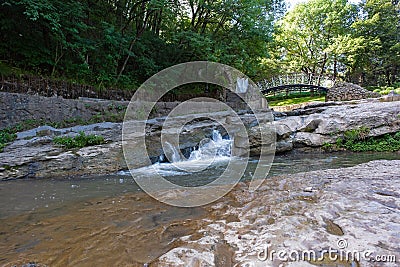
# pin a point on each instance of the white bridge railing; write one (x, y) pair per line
(296, 79)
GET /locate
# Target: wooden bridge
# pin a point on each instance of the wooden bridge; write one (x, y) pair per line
(296, 83)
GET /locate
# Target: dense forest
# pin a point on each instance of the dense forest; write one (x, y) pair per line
(121, 43)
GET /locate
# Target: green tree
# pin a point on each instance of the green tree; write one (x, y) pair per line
(123, 42)
(314, 37)
(39, 34)
(379, 26)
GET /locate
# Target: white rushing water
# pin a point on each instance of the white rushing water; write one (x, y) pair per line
(212, 152)
(214, 148)
(209, 149)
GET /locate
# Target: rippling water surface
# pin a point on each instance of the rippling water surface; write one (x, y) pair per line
(106, 219)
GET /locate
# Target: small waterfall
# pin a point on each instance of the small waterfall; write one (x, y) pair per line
(211, 148)
(208, 149)
(216, 136)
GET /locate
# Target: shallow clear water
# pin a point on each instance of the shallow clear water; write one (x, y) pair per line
(51, 195)
(108, 221)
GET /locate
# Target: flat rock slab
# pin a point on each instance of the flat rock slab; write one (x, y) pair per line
(356, 209)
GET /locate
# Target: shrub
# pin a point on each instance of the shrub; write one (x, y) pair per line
(388, 142)
(327, 146)
(357, 140)
(384, 90)
(356, 134)
(79, 141)
(6, 136)
(385, 143)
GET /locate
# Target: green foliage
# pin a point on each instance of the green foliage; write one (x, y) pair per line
(79, 141)
(314, 36)
(5, 69)
(358, 141)
(384, 90)
(379, 61)
(359, 43)
(6, 136)
(296, 100)
(75, 40)
(122, 43)
(356, 134)
(339, 142)
(327, 146)
(386, 143)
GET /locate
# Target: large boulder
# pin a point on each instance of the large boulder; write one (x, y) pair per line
(327, 124)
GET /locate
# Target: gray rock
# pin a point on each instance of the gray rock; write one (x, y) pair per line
(355, 206)
(284, 146)
(311, 139)
(282, 131)
(327, 125)
(35, 155)
(40, 131)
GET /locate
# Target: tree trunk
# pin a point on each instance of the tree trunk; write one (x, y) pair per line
(334, 69)
(139, 33)
(126, 59)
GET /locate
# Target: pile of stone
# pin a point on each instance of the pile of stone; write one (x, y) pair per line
(348, 91)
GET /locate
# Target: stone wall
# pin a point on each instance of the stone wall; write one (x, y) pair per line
(348, 91)
(16, 108)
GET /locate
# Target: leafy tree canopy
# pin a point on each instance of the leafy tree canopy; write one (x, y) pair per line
(335, 37)
(123, 42)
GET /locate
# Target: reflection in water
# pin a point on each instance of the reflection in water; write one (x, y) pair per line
(107, 220)
(99, 232)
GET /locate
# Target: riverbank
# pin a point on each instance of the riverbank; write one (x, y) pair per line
(34, 154)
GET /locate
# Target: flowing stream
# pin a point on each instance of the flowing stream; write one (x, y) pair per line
(51, 217)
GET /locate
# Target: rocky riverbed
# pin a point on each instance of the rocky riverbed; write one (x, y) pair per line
(314, 125)
(352, 209)
(349, 209)
(33, 154)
